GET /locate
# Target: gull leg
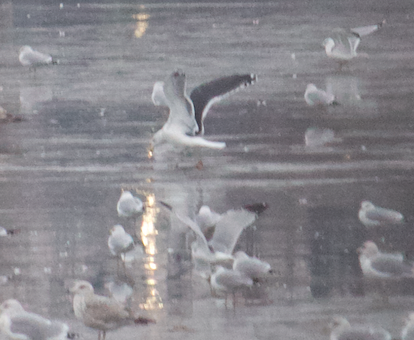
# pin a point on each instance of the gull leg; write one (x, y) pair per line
(104, 335)
(99, 335)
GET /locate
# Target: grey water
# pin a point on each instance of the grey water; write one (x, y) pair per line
(85, 132)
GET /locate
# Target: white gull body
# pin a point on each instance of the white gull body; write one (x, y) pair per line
(224, 281)
(317, 97)
(32, 58)
(342, 330)
(120, 242)
(185, 122)
(373, 216)
(249, 266)
(129, 206)
(18, 324)
(375, 264)
(342, 44)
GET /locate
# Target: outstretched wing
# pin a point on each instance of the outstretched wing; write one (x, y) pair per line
(229, 228)
(207, 94)
(365, 30)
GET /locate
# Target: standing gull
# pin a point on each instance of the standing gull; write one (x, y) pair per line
(372, 216)
(250, 267)
(119, 243)
(16, 323)
(185, 122)
(342, 45)
(317, 97)
(342, 330)
(100, 312)
(33, 59)
(129, 206)
(224, 281)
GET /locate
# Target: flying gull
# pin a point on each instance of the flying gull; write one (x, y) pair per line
(373, 216)
(219, 248)
(33, 59)
(101, 312)
(341, 329)
(342, 45)
(16, 323)
(317, 97)
(185, 122)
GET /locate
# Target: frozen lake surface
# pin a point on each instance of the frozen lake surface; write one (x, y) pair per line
(85, 135)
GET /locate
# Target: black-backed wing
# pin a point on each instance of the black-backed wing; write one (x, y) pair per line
(207, 94)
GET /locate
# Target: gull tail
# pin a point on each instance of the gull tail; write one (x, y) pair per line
(72, 335)
(257, 208)
(335, 103)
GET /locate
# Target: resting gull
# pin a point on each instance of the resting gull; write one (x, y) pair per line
(342, 330)
(342, 44)
(373, 216)
(317, 97)
(129, 205)
(376, 264)
(16, 323)
(185, 122)
(101, 312)
(33, 59)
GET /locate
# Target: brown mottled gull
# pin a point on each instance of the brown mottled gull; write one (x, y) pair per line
(101, 312)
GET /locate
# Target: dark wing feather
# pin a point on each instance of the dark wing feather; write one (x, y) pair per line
(206, 94)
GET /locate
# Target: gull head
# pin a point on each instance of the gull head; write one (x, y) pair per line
(174, 85)
(369, 249)
(25, 49)
(328, 43)
(11, 306)
(311, 87)
(117, 230)
(366, 205)
(82, 287)
(158, 96)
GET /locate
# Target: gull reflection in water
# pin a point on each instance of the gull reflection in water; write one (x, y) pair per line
(141, 24)
(149, 234)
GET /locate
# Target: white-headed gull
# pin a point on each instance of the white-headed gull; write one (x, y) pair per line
(375, 264)
(226, 281)
(16, 323)
(407, 332)
(185, 122)
(342, 44)
(341, 329)
(251, 267)
(373, 216)
(33, 59)
(129, 205)
(317, 97)
(101, 312)
(318, 137)
(119, 243)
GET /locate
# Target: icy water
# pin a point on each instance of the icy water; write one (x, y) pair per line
(87, 126)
